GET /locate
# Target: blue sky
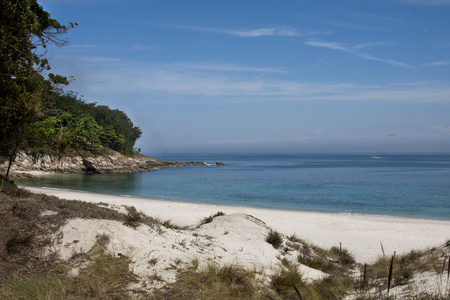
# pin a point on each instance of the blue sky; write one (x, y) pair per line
(356, 76)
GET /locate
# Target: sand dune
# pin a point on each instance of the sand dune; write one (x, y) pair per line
(362, 235)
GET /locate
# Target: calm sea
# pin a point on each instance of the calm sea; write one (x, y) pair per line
(399, 185)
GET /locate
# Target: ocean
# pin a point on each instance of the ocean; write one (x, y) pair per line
(416, 186)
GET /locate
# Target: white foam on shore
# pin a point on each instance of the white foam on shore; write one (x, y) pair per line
(361, 234)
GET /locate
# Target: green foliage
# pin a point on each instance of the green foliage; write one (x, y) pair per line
(34, 115)
(24, 27)
(87, 126)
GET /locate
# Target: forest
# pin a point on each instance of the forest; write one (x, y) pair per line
(71, 123)
(35, 114)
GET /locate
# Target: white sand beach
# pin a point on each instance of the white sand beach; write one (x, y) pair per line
(362, 235)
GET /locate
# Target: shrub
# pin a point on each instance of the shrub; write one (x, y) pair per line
(133, 217)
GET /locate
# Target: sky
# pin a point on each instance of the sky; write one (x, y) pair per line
(253, 76)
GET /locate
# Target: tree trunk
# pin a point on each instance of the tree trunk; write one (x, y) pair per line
(12, 157)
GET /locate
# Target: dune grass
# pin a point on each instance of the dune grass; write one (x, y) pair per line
(104, 277)
(25, 273)
(274, 238)
(213, 282)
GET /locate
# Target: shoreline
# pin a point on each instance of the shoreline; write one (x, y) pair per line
(234, 205)
(361, 234)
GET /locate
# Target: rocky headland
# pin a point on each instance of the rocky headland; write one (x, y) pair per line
(110, 163)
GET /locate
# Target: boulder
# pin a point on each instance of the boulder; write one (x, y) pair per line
(90, 166)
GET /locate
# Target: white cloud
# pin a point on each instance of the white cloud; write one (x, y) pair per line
(258, 32)
(369, 44)
(266, 31)
(387, 61)
(229, 82)
(329, 45)
(355, 50)
(438, 63)
(225, 67)
(440, 128)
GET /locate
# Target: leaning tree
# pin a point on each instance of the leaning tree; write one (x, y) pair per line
(25, 31)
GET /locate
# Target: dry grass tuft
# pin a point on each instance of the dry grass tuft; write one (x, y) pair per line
(104, 277)
(226, 282)
(275, 239)
(405, 266)
(284, 281)
(133, 217)
(211, 218)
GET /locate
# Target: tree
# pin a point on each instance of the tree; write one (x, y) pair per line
(25, 29)
(112, 127)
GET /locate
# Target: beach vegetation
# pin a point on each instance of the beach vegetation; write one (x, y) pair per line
(213, 282)
(195, 263)
(133, 217)
(294, 239)
(274, 238)
(168, 224)
(211, 218)
(334, 260)
(29, 272)
(104, 277)
(285, 279)
(404, 267)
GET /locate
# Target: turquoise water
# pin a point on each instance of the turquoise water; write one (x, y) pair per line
(399, 185)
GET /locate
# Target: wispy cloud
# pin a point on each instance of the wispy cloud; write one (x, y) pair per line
(329, 45)
(249, 33)
(438, 63)
(383, 60)
(356, 51)
(440, 128)
(225, 67)
(265, 31)
(229, 82)
(138, 46)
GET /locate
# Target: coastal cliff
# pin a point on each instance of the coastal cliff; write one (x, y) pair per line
(111, 163)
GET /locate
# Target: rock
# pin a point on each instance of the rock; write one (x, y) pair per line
(111, 163)
(90, 167)
(218, 163)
